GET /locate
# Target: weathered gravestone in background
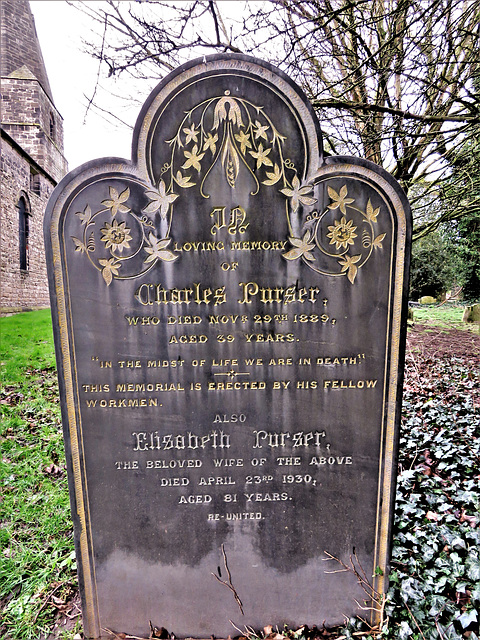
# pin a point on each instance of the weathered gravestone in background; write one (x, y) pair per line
(229, 334)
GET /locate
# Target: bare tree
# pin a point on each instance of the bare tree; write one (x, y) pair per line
(391, 80)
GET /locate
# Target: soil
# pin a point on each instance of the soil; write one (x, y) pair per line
(432, 342)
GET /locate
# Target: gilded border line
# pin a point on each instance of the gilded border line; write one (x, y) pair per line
(386, 479)
(90, 605)
(90, 619)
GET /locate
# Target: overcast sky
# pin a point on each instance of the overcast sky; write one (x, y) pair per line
(72, 74)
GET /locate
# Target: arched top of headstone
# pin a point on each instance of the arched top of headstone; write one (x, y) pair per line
(223, 107)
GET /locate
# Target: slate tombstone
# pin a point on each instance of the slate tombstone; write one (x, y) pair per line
(229, 321)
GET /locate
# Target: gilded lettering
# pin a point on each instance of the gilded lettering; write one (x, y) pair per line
(349, 384)
(269, 295)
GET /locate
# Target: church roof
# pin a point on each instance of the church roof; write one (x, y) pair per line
(21, 55)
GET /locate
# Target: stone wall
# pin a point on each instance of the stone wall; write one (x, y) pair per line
(20, 44)
(32, 160)
(22, 289)
(32, 120)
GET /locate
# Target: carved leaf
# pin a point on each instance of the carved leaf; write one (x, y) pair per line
(160, 200)
(110, 268)
(79, 245)
(352, 272)
(194, 158)
(348, 264)
(165, 255)
(293, 254)
(85, 215)
(339, 199)
(158, 250)
(183, 181)
(298, 194)
(302, 247)
(124, 195)
(261, 156)
(107, 275)
(378, 240)
(116, 200)
(372, 213)
(273, 176)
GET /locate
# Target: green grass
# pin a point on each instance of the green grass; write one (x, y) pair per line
(26, 343)
(36, 543)
(446, 316)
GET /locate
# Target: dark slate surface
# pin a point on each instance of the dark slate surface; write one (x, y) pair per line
(228, 327)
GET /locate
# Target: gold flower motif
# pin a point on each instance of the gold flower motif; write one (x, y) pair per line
(115, 203)
(261, 130)
(191, 134)
(302, 248)
(158, 249)
(261, 156)
(348, 264)
(210, 142)
(298, 194)
(162, 200)
(116, 236)
(193, 159)
(110, 269)
(244, 141)
(342, 233)
(339, 199)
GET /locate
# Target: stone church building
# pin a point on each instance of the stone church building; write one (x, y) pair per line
(32, 160)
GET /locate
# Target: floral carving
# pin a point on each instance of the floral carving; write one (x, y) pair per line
(129, 253)
(302, 248)
(342, 233)
(234, 134)
(339, 200)
(115, 203)
(335, 249)
(116, 236)
(299, 194)
(227, 132)
(160, 200)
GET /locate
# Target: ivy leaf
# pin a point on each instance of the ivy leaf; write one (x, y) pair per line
(448, 632)
(467, 618)
(473, 570)
(405, 631)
